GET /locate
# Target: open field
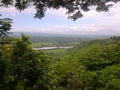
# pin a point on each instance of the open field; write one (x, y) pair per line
(56, 54)
(52, 44)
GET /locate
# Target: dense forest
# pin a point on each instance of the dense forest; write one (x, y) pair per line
(91, 65)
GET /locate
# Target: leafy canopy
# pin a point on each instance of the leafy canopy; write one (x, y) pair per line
(5, 26)
(73, 7)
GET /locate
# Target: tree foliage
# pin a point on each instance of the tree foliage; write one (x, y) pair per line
(101, 59)
(29, 66)
(21, 67)
(5, 26)
(73, 7)
(94, 66)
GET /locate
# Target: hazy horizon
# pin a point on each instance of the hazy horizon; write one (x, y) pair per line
(76, 34)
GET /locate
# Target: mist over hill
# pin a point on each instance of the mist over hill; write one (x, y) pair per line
(38, 36)
(41, 34)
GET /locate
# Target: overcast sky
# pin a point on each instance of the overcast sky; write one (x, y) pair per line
(55, 21)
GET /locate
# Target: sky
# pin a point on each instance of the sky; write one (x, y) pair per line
(56, 21)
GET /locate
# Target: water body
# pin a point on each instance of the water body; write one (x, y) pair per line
(50, 48)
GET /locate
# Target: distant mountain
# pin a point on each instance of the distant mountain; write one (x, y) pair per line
(40, 37)
(40, 34)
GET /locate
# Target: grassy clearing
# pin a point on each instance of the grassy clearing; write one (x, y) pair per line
(56, 54)
(74, 43)
(51, 44)
(43, 44)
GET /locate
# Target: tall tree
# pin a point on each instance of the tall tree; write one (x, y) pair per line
(29, 66)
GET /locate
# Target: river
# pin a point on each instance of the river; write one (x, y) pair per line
(50, 48)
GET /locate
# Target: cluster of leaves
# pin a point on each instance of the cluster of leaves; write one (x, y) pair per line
(5, 26)
(21, 67)
(73, 7)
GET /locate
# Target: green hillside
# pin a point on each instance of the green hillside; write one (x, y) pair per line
(90, 65)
